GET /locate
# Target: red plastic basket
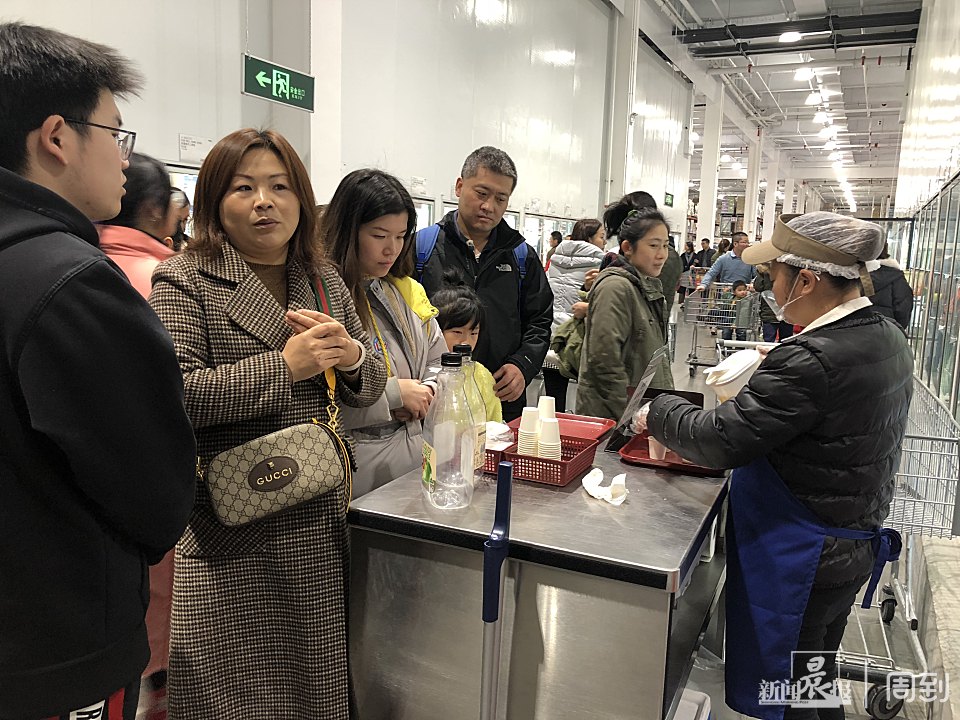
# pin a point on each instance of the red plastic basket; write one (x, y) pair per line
(577, 457)
(492, 461)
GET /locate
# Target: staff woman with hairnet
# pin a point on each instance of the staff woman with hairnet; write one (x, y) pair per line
(815, 437)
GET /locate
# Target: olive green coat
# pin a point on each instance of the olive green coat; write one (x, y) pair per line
(670, 277)
(626, 324)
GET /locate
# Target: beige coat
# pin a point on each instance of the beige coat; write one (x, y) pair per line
(259, 611)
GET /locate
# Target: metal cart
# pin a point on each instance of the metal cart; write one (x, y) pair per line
(924, 503)
(712, 311)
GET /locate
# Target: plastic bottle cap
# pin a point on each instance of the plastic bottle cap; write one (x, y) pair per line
(463, 349)
(451, 360)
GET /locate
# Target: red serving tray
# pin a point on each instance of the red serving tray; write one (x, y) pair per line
(581, 426)
(636, 452)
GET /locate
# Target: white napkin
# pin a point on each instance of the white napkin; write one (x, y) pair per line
(499, 436)
(614, 493)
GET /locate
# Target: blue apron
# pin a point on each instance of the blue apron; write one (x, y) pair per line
(773, 549)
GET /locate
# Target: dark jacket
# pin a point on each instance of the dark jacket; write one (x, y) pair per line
(893, 296)
(688, 260)
(704, 258)
(828, 409)
(97, 459)
(514, 332)
(761, 283)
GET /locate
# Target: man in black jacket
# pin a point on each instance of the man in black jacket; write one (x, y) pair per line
(477, 244)
(97, 456)
(703, 258)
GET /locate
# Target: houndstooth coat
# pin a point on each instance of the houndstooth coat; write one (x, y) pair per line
(259, 611)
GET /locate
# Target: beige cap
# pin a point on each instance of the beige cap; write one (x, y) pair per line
(787, 241)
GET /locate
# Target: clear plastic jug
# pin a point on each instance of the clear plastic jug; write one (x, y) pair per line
(449, 438)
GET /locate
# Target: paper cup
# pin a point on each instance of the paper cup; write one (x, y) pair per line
(547, 407)
(550, 431)
(530, 420)
(657, 450)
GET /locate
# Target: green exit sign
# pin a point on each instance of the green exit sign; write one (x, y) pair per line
(279, 84)
(668, 199)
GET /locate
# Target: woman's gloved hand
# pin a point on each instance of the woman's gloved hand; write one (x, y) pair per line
(638, 424)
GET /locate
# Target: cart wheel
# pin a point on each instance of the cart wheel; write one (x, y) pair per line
(693, 371)
(888, 609)
(878, 704)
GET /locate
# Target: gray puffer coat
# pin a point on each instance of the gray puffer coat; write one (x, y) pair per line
(828, 409)
(568, 267)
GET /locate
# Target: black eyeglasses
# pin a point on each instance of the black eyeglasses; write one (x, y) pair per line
(125, 138)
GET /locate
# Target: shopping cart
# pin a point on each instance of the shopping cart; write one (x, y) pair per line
(712, 311)
(924, 503)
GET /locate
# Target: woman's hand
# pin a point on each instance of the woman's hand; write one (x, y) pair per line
(320, 343)
(303, 320)
(579, 310)
(638, 424)
(590, 278)
(416, 397)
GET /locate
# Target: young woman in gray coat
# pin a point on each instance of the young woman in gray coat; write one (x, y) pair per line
(368, 234)
(259, 610)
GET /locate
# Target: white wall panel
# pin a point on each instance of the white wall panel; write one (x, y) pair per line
(190, 53)
(425, 82)
(656, 159)
(930, 150)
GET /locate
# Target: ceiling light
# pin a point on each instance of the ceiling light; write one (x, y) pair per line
(743, 173)
(694, 136)
(830, 145)
(828, 93)
(827, 131)
(803, 74)
(725, 158)
(813, 98)
(763, 183)
(737, 165)
(835, 156)
(821, 117)
(791, 37)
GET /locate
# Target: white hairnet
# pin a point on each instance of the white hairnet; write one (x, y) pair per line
(864, 240)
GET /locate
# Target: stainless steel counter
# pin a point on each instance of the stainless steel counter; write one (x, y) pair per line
(603, 604)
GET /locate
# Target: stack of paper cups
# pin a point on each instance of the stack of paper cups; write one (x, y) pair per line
(549, 445)
(528, 433)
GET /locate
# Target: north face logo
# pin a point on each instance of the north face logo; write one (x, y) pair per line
(505, 267)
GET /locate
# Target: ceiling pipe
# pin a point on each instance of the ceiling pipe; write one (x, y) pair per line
(792, 67)
(837, 42)
(831, 23)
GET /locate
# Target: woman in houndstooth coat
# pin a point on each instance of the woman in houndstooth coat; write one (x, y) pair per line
(259, 611)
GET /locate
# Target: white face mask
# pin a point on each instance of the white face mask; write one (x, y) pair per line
(778, 310)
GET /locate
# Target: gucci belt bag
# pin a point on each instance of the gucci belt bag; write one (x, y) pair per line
(281, 470)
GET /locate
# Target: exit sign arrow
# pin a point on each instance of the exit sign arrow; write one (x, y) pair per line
(276, 83)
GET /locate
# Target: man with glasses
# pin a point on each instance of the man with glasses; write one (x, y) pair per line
(97, 456)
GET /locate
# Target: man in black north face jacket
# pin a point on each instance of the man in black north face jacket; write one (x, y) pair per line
(479, 245)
